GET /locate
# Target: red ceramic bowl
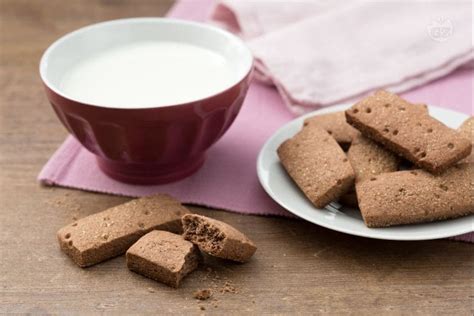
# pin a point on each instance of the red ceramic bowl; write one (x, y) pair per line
(148, 145)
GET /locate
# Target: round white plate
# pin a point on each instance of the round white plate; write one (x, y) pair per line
(281, 188)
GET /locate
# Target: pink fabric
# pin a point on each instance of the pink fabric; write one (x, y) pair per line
(319, 53)
(228, 179)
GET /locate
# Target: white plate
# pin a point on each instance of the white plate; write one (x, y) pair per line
(281, 188)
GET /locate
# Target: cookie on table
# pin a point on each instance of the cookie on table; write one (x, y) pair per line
(110, 233)
(335, 124)
(317, 164)
(467, 131)
(402, 128)
(164, 257)
(416, 196)
(217, 238)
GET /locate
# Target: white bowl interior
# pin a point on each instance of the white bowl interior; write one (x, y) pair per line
(73, 47)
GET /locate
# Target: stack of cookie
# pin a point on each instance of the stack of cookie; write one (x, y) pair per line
(389, 157)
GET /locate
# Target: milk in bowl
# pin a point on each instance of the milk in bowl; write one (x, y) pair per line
(148, 74)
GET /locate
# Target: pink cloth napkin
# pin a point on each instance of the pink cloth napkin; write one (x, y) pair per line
(228, 179)
(319, 52)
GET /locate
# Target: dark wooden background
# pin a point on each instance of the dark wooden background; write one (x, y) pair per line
(299, 267)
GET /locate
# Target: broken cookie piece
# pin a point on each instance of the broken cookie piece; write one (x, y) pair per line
(217, 239)
(164, 257)
(110, 233)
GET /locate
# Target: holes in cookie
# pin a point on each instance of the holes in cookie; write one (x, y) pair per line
(67, 236)
(305, 124)
(416, 150)
(146, 212)
(387, 105)
(443, 187)
(402, 108)
(386, 130)
(74, 224)
(395, 132)
(414, 173)
(436, 195)
(429, 130)
(423, 155)
(141, 225)
(329, 132)
(344, 160)
(368, 110)
(450, 145)
(355, 111)
(339, 182)
(69, 243)
(373, 179)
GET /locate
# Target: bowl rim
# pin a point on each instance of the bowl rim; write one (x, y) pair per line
(159, 20)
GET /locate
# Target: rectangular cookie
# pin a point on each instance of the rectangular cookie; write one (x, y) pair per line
(367, 159)
(317, 164)
(467, 131)
(335, 124)
(217, 238)
(416, 196)
(400, 127)
(164, 257)
(110, 233)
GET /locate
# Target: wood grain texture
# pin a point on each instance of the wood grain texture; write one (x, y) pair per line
(298, 268)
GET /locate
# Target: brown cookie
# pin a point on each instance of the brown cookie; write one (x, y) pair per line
(467, 131)
(402, 128)
(164, 257)
(335, 124)
(107, 234)
(368, 158)
(217, 239)
(317, 164)
(416, 196)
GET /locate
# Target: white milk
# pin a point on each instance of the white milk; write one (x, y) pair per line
(148, 74)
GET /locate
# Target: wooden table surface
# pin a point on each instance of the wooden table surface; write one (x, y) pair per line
(298, 268)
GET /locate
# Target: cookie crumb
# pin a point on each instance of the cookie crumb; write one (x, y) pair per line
(229, 288)
(203, 294)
